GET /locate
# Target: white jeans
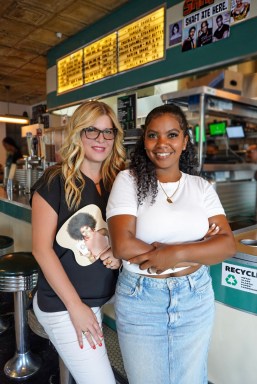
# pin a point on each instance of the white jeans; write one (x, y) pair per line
(87, 365)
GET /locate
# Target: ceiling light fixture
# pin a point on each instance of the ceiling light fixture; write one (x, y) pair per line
(13, 118)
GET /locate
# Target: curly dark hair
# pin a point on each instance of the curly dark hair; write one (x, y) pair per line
(141, 166)
(77, 222)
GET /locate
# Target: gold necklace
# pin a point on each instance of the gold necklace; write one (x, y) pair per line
(169, 198)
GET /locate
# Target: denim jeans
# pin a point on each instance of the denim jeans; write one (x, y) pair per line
(164, 327)
(87, 365)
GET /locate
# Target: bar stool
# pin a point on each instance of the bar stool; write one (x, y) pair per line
(18, 274)
(6, 245)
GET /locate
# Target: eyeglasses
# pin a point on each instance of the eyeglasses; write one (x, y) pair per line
(93, 133)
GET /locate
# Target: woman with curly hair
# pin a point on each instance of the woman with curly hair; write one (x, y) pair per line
(158, 214)
(70, 295)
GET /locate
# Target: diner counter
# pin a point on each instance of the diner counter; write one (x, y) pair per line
(15, 204)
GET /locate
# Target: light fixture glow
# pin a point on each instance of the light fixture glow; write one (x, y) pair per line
(14, 119)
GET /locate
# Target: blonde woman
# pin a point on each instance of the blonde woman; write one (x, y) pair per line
(70, 294)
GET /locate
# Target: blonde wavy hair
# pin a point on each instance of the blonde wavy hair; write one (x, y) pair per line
(72, 152)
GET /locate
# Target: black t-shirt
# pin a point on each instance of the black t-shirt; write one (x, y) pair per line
(94, 283)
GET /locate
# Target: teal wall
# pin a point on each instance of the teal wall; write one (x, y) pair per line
(239, 46)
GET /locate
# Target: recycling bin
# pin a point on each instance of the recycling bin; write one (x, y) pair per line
(233, 349)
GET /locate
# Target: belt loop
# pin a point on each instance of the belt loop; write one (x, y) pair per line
(191, 282)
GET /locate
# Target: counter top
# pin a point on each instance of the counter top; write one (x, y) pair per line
(246, 244)
(15, 204)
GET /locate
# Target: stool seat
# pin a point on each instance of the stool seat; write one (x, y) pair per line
(18, 272)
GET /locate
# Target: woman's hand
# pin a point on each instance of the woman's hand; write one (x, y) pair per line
(155, 259)
(86, 325)
(109, 260)
(213, 230)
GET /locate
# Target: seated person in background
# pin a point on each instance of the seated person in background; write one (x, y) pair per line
(251, 154)
(13, 152)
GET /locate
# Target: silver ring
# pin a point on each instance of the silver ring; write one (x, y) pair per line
(85, 333)
(151, 270)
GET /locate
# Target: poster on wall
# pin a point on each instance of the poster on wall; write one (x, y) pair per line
(127, 111)
(175, 33)
(240, 10)
(206, 25)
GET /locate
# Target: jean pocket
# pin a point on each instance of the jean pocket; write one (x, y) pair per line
(127, 287)
(203, 285)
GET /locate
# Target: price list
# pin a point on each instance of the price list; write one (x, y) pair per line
(141, 41)
(100, 58)
(70, 72)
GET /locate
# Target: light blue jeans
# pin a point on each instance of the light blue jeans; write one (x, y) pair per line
(164, 327)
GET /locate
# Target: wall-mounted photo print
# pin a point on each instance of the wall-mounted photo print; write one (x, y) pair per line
(86, 234)
(189, 38)
(175, 33)
(221, 27)
(204, 33)
(240, 10)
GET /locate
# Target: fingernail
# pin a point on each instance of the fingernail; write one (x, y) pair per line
(128, 262)
(81, 346)
(213, 225)
(94, 347)
(100, 344)
(217, 228)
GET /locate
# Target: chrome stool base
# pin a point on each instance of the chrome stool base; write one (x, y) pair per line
(23, 365)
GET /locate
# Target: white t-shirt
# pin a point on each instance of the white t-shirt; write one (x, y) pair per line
(186, 219)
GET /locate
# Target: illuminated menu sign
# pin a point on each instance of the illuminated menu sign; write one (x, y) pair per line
(142, 41)
(138, 43)
(70, 72)
(100, 58)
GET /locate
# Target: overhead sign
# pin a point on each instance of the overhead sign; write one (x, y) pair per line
(195, 5)
(136, 44)
(142, 41)
(239, 277)
(70, 72)
(100, 58)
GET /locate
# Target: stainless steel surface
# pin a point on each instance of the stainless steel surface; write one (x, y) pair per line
(23, 365)
(182, 96)
(19, 198)
(238, 198)
(217, 103)
(28, 30)
(18, 283)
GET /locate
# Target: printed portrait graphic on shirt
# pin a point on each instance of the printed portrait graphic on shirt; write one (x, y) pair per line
(86, 234)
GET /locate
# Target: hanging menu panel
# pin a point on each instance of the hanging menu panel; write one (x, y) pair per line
(142, 41)
(100, 59)
(69, 72)
(127, 111)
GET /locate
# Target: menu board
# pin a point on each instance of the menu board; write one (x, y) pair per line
(127, 111)
(136, 44)
(141, 41)
(100, 58)
(69, 72)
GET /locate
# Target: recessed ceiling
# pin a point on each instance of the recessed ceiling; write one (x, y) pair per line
(28, 30)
